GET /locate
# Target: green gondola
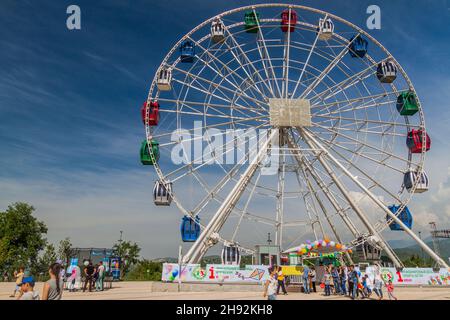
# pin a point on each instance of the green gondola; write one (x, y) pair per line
(251, 21)
(148, 159)
(407, 104)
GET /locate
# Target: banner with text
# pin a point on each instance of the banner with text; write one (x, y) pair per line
(214, 273)
(412, 276)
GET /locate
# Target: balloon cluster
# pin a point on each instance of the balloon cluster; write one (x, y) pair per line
(308, 247)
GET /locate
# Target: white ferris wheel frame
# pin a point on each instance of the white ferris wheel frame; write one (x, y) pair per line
(319, 147)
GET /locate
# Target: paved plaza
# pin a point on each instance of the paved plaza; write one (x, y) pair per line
(142, 291)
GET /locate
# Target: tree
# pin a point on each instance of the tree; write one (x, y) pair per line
(145, 270)
(45, 260)
(21, 237)
(128, 253)
(65, 251)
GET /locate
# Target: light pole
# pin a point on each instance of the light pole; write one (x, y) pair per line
(420, 236)
(269, 241)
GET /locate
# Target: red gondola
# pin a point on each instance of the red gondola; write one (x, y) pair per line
(414, 141)
(286, 21)
(153, 114)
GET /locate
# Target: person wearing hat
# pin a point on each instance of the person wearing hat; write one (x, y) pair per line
(27, 290)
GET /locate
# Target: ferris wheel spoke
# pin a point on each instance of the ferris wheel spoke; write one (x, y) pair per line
(266, 56)
(231, 72)
(207, 115)
(244, 55)
(235, 210)
(280, 200)
(357, 121)
(286, 62)
(191, 104)
(304, 162)
(310, 206)
(369, 146)
(361, 107)
(237, 92)
(205, 127)
(224, 151)
(354, 100)
(381, 205)
(314, 143)
(358, 152)
(216, 86)
(217, 188)
(324, 211)
(306, 63)
(369, 177)
(236, 229)
(327, 70)
(234, 85)
(341, 87)
(214, 107)
(203, 243)
(350, 128)
(206, 92)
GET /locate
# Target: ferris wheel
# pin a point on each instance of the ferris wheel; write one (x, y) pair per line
(289, 120)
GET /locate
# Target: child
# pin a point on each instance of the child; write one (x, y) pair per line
(19, 278)
(366, 291)
(327, 283)
(270, 288)
(280, 278)
(27, 290)
(368, 286)
(390, 290)
(361, 284)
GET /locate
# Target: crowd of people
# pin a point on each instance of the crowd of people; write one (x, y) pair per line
(343, 280)
(24, 289)
(25, 285)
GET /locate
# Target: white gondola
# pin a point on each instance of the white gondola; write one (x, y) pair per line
(164, 81)
(326, 29)
(231, 255)
(387, 71)
(369, 250)
(162, 195)
(217, 31)
(411, 178)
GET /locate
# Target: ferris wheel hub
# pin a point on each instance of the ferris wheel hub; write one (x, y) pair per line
(290, 112)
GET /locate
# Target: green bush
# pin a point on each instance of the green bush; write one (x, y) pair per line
(145, 270)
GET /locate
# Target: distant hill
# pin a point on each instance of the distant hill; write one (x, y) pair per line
(207, 260)
(403, 248)
(444, 246)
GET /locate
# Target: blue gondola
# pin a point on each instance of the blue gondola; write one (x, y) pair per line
(405, 216)
(358, 47)
(187, 51)
(190, 229)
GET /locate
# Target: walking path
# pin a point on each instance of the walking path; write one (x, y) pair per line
(141, 291)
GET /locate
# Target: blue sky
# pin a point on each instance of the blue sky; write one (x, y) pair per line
(70, 127)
